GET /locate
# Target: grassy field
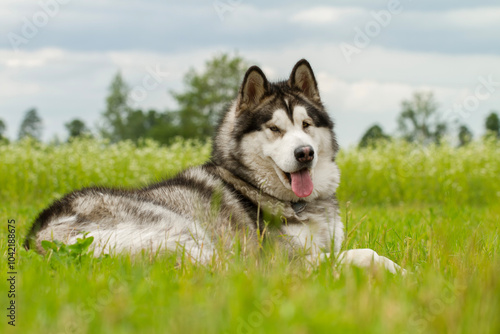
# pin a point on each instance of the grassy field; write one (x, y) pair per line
(435, 211)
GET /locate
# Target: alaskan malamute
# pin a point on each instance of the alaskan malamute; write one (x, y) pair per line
(273, 161)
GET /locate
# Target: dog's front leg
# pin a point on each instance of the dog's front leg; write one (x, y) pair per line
(366, 258)
(363, 258)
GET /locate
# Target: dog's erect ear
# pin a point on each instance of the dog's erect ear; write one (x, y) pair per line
(253, 88)
(302, 78)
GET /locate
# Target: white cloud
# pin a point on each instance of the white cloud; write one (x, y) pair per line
(20, 60)
(479, 17)
(323, 15)
(454, 21)
(483, 17)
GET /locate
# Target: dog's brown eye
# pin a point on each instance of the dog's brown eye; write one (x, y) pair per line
(274, 129)
(305, 125)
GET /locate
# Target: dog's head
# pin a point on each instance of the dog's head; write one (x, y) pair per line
(279, 137)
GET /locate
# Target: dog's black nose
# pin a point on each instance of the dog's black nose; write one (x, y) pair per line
(304, 153)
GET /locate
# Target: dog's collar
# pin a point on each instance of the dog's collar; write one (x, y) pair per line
(255, 195)
(298, 207)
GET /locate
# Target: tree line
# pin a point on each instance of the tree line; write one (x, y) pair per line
(206, 96)
(421, 122)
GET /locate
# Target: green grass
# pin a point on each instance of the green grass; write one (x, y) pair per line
(435, 211)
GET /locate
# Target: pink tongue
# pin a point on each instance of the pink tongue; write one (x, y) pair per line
(302, 184)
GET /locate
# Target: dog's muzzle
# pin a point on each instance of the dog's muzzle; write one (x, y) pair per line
(304, 154)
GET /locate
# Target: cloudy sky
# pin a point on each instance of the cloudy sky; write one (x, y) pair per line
(60, 55)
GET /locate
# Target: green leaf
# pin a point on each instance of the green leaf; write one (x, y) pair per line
(47, 245)
(86, 243)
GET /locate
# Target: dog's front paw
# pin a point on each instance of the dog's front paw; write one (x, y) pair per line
(366, 258)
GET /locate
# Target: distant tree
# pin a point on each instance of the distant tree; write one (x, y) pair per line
(3, 128)
(76, 128)
(419, 120)
(31, 125)
(121, 122)
(464, 135)
(372, 136)
(117, 111)
(208, 94)
(493, 124)
(142, 124)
